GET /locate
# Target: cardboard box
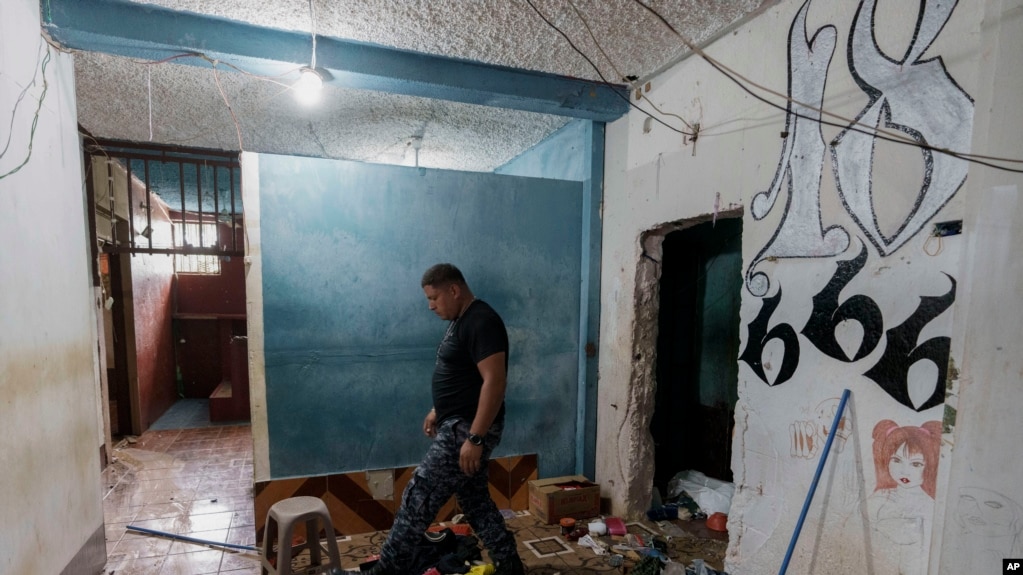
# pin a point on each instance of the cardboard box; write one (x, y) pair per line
(568, 496)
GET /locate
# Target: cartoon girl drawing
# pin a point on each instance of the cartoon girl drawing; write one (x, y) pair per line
(902, 504)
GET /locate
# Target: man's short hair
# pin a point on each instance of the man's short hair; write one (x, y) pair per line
(441, 275)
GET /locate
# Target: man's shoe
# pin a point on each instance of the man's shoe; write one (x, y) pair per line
(510, 566)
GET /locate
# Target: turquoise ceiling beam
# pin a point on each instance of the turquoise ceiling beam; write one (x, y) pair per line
(147, 32)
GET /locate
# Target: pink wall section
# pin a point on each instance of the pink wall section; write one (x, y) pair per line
(152, 277)
(222, 294)
(209, 309)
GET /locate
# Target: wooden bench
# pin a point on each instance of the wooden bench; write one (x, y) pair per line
(230, 400)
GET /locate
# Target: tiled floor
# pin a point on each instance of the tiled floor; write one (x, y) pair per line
(193, 482)
(198, 483)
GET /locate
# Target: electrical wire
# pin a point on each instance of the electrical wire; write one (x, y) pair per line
(593, 37)
(926, 243)
(597, 70)
(237, 127)
(149, 91)
(214, 62)
(662, 112)
(617, 71)
(312, 30)
(35, 119)
(17, 103)
(850, 125)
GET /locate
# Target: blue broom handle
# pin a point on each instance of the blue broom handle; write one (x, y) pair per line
(816, 478)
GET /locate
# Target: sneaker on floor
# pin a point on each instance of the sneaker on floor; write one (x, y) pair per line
(511, 566)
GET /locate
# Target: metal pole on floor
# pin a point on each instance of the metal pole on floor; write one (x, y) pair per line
(190, 539)
(816, 478)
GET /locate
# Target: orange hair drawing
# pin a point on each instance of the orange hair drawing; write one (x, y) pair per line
(924, 440)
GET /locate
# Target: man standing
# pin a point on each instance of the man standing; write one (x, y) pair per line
(466, 422)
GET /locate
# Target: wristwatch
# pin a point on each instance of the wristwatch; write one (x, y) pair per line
(475, 439)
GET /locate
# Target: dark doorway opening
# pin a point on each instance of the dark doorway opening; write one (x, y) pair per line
(117, 350)
(697, 351)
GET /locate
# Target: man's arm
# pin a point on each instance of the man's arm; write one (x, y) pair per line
(491, 396)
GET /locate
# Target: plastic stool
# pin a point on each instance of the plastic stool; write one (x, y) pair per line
(280, 527)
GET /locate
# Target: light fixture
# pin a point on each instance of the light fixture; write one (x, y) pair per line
(310, 82)
(308, 87)
(417, 143)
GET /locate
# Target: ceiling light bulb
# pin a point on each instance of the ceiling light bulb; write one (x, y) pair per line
(308, 87)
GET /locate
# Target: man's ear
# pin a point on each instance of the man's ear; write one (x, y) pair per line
(456, 290)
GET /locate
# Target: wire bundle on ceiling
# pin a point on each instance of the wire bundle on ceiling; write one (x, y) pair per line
(747, 86)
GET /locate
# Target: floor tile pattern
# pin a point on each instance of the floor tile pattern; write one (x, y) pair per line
(197, 482)
(354, 508)
(193, 482)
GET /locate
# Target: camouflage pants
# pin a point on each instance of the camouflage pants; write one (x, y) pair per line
(436, 479)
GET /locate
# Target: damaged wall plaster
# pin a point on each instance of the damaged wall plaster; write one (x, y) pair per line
(875, 316)
(635, 444)
(635, 447)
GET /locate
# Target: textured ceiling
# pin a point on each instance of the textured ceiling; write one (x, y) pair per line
(171, 103)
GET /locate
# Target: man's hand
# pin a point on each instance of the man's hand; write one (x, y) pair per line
(430, 424)
(469, 458)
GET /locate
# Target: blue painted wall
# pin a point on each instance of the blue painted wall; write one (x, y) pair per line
(576, 152)
(564, 155)
(349, 340)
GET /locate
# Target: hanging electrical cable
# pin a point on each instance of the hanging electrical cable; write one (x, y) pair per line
(618, 73)
(850, 124)
(312, 32)
(35, 118)
(597, 70)
(237, 126)
(149, 94)
(310, 83)
(17, 102)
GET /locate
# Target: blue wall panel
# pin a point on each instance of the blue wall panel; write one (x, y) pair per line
(576, 152)
(349, 340)
(564, 155)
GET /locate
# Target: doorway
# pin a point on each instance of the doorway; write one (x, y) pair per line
(697, 351)
(114, 332)
(169, 233)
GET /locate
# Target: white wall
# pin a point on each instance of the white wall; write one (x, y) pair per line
(254, 313)
(884, 208)
(982, 520)
(50, 499)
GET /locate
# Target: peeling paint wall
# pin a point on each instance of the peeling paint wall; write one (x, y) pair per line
(50, 493)
(845, 286)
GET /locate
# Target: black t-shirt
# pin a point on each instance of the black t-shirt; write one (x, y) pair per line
(474, 336)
